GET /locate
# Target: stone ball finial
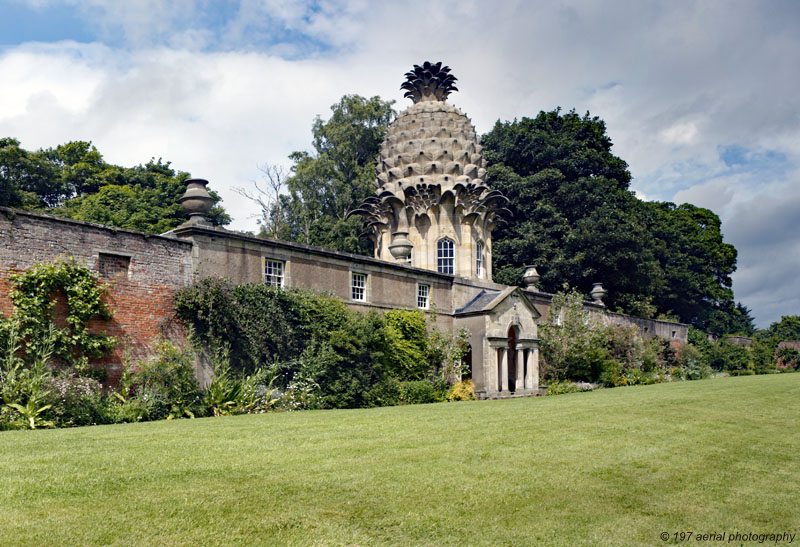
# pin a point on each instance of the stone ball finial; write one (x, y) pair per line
(429, 82)
(598, 293)
(197, 202)
(530, 278)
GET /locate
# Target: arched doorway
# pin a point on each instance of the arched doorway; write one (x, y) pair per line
(512, 359)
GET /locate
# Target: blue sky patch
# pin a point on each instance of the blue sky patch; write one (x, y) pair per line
(739, 158)
(20, 23)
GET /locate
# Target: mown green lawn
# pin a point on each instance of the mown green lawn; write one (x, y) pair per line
(614, 467)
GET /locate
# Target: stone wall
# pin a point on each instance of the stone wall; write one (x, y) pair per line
(670, 330)
(143, 272)
(241, 258)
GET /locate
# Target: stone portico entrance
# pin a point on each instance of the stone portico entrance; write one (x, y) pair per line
(516, 365)
(503, 327)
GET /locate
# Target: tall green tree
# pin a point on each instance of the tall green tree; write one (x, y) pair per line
(73, 180)
(697, 266)
(575, 218)
(27, 180)
(328, 183)
(79, 167)
(143, 198)
(788, 328)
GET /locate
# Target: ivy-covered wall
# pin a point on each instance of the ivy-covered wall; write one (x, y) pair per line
(142, 272)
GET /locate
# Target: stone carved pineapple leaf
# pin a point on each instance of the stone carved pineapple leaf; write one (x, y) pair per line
(421, 198)
(429, 82)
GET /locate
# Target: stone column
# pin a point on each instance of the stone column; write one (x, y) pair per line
(533, 369)
(504, 369)
(519, 386)
(528, 369)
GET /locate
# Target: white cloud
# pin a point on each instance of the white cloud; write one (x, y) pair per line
(679, 133)
(674, 83)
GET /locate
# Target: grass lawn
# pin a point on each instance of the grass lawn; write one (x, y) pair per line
(613, 467)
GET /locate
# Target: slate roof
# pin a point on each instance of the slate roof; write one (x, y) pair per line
(479, 303)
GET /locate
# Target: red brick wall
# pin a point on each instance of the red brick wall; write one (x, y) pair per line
(141, 298)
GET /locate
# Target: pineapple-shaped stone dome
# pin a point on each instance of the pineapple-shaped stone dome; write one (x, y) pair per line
(431, 202)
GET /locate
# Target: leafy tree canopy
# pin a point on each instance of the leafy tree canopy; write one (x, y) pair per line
(74, 181)
(333, 180)
(575, 218)
(788, 328)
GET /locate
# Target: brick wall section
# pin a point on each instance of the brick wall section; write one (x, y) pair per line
(794, 344)
(141, 297)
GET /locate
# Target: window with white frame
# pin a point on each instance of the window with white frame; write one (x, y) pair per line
(358, 286)
(273, 272)
(423, 296)
(479, 259)
(445, 253)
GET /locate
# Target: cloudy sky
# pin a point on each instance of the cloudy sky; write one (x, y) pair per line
(702, 98)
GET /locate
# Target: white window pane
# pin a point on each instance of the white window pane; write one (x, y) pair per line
(423, 296)
(273, 273)
(358, 286)
(445, 253)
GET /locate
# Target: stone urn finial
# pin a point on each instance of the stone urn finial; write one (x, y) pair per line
(401, 246)
(197, 202)
(530, 278)
(598, 293)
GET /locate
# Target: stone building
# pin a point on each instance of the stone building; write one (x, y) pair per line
(430, 219)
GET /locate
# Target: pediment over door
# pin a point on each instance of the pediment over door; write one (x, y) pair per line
(504, 309)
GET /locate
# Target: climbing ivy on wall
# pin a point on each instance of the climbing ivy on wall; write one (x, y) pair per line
(315, 345)
(35, 294)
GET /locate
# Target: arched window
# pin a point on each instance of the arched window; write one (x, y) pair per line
(445, 256)
(479, 259)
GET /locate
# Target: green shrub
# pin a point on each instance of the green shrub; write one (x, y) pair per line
(695, 370)
(561, 387)
(461, 391)
(135, 409)
(163, 387)
(356, 358)
(407, 336)
(441, 388)
(258, 394)
(79, 401)
(637, 376)
(234, 393)
(788, 358)
(723, 356)
(693, 365)
(301, 394)
(567, 337)
(320, 353)
(611, 374)
(419, 392)
(577, 346)
(387, 392)
(25, 398)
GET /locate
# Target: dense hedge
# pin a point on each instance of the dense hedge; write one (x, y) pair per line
(580, 352)
(315, 346)
(272, 349)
